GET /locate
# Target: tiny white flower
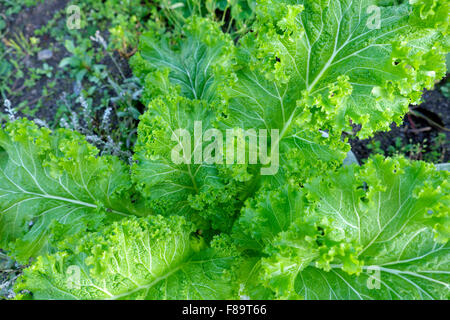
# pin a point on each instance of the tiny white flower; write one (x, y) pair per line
(63, 123)
(11, 112)
(106, 119)
(99, 39)
(40, 122)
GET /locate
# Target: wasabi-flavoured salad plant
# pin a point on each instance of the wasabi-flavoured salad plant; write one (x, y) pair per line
(280, 216)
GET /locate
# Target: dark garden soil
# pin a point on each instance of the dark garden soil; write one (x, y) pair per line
(34, 18)
(26, 22)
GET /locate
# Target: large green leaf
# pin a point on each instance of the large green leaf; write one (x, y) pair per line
(333, 57)
(48, 178)
(253, 102)
(376, 232)
(137, 258)
(416, 268)
(393, 224)
(158, 173)
(193, 186)
(196, 63)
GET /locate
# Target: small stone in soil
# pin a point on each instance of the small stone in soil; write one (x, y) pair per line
(45, 55)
